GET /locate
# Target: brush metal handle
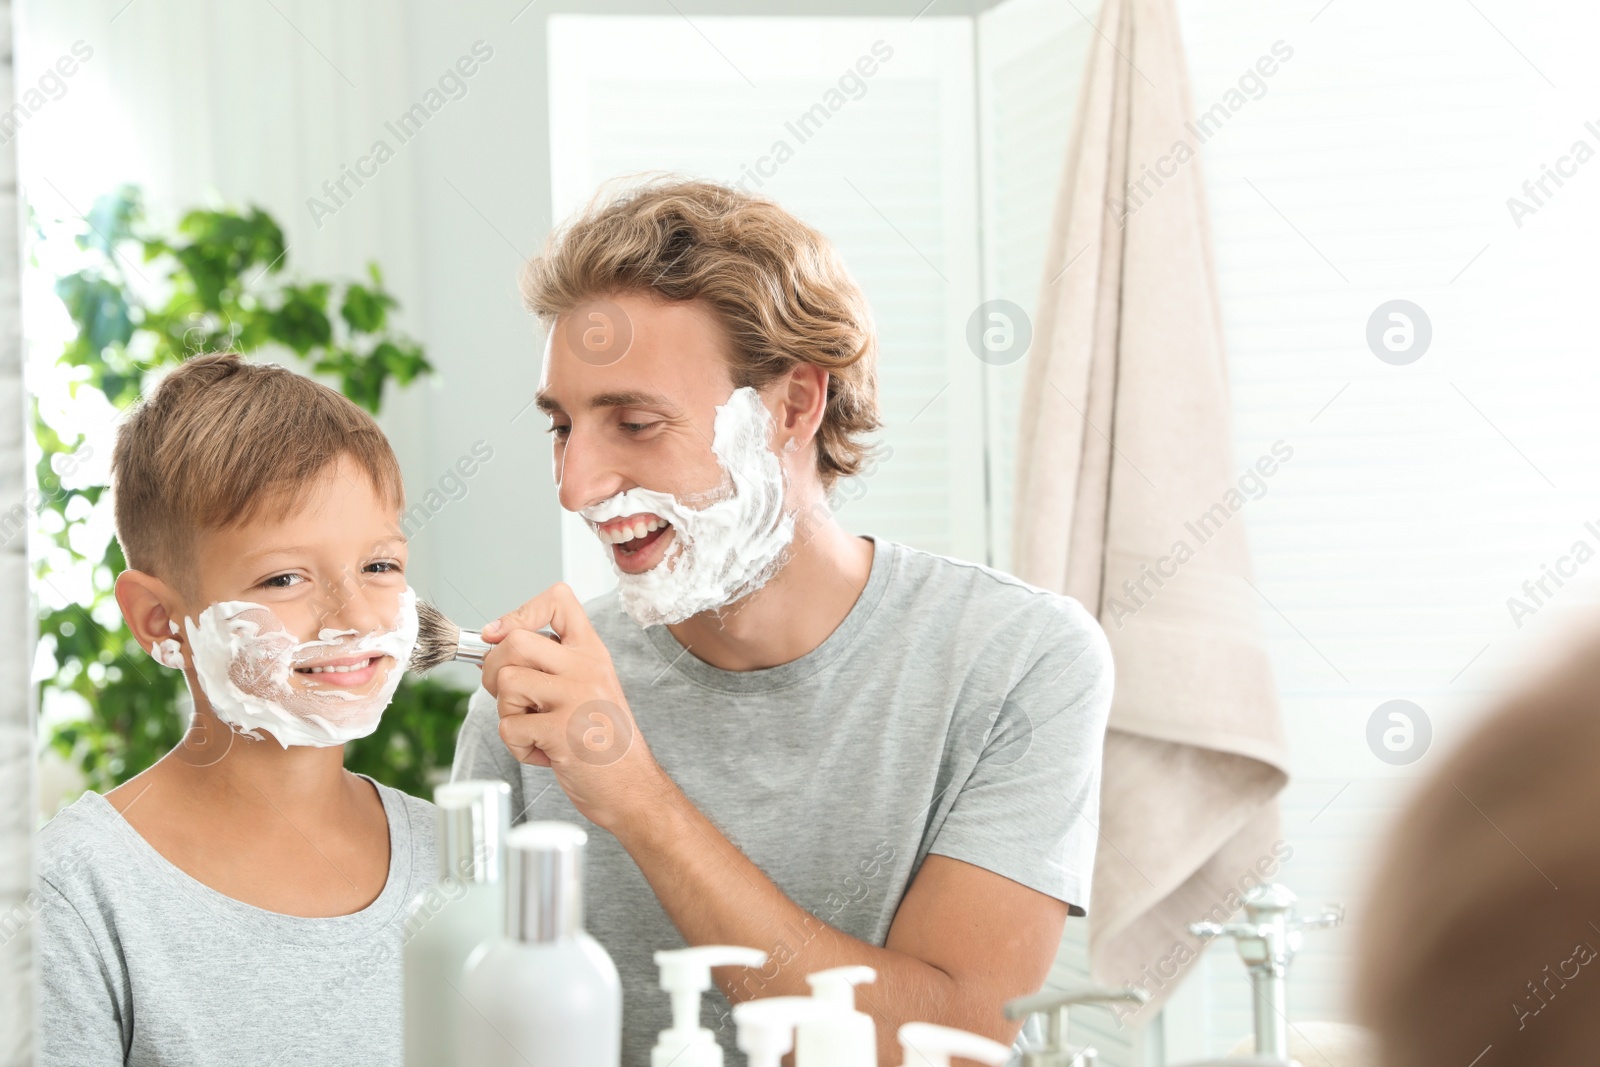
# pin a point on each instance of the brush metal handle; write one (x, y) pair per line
(471, 648)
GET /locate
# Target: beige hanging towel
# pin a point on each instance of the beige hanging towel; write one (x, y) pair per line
(1128, 499)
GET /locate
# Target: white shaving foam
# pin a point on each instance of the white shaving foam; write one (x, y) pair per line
(167, 651)
(245, 660)
(727, 543)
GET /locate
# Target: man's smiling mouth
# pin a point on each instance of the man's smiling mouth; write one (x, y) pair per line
(632, 533)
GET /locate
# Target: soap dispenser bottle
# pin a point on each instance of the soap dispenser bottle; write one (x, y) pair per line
(545, 994)
(461, 911)
(845, 1038)
(766, 1026)
(685, 974)
(927, 1045)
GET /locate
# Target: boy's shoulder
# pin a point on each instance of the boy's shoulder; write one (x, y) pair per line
(80, 837)
(420, 816)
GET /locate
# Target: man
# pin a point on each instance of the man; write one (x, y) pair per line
(835, 749)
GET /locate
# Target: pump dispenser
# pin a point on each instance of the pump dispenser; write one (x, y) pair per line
(685, 974)
(846, 1038)
(927, 1045)
(766, 1026)
(455, 915)
(545, 994)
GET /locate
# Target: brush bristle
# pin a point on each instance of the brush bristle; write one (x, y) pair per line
(437, 639)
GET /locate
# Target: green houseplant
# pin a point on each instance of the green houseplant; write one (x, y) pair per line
(143, 300)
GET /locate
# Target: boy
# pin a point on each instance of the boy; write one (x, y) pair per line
(242, 900)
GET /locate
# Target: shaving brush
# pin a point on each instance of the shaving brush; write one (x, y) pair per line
(441, 641)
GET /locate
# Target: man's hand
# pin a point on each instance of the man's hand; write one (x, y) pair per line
(561, 706)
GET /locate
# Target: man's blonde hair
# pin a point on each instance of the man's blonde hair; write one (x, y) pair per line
(776, 285)
(219, 440)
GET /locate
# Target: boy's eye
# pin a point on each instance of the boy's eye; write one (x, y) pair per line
(282, 581)
(384, 566)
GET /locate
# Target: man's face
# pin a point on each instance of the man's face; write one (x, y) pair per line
(643, 418)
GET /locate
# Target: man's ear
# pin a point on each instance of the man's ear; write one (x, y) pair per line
(152, 609)
(802, 400)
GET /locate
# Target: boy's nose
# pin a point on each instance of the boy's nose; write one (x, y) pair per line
(351, 605)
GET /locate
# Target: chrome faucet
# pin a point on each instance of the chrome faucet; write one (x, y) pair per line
(1056, 1053)
(1268, 939)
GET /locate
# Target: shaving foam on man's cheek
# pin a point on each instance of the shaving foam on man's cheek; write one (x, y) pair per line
(245, 661)
(721, 551)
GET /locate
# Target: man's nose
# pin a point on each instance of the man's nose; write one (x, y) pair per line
(585, 473)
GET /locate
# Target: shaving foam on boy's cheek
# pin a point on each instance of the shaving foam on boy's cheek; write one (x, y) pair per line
(721, 551)
(245, 661)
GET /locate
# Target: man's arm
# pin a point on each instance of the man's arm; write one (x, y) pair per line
(964, 940)
(480, 754)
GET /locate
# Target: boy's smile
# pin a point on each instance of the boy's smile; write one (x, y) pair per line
(346, 671)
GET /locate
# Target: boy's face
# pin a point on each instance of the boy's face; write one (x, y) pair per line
(331, 577)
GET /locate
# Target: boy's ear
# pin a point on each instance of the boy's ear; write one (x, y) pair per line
(152, 609)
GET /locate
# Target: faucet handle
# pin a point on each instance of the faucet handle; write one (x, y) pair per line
(1330, 916)
(1056, 1002)
(1086, 993)
(1213, 931)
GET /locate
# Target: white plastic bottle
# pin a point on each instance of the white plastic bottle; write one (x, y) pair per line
(449, 919)
(928, 1045)
(685, 974)
(767, 1025)
(545, 994)
(847, 1038)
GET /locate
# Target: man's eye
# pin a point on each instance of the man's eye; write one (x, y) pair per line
(282, 581)
(560, 431)
(635, 427)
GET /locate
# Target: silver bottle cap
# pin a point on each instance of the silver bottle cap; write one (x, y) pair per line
(544, 881)
(474, 818)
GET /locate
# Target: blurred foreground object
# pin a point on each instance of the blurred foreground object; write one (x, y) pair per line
(1479, 934)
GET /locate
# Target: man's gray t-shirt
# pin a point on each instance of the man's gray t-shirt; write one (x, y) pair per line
(141, 964)
(956, 710)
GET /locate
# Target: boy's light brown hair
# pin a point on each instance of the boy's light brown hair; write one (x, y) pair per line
(777, 286)
(221, 439)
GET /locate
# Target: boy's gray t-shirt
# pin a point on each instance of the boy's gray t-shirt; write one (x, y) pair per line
(956, 711)
(141, 964)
